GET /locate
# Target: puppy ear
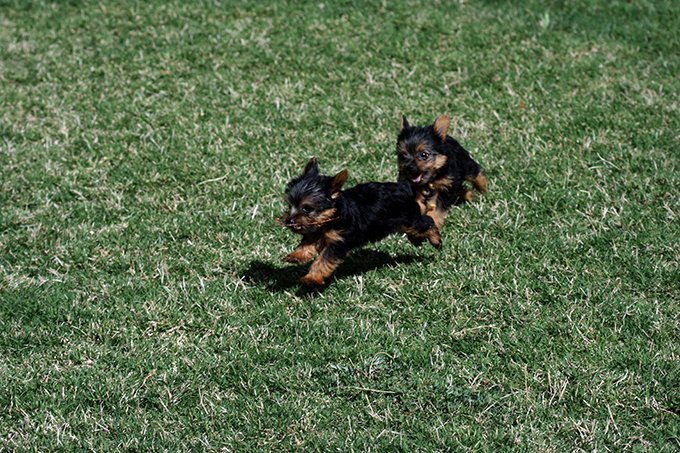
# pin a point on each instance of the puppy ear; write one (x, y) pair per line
(441, 126)
(404, 123)
(312, 167)
(336, 183)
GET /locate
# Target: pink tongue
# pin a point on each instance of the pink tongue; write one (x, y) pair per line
(418, 179)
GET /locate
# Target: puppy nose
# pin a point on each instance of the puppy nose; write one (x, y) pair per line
(290, 221)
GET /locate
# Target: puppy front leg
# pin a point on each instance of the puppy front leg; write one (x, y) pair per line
(306, 251)
(324, 266)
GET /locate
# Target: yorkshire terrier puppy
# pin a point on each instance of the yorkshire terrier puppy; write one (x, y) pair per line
(332, 221)
(436, 166)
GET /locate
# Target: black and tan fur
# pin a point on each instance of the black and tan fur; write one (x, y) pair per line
(437, 167)
(333, 221)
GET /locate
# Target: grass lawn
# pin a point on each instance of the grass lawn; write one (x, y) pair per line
(144, 150)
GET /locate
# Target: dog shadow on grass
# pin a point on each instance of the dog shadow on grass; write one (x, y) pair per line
(281, 276)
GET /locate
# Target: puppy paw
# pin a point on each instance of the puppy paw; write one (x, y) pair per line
(436, 240)
(291, 258)
(297, 257)
(312, 280)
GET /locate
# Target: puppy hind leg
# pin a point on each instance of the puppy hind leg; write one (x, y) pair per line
(424, 228)
(434, 237)
(478, 181)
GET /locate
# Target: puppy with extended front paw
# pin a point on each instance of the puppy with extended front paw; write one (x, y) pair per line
(333, 221)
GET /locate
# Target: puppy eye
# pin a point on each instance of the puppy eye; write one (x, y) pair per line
(306, 209)
(424, 155)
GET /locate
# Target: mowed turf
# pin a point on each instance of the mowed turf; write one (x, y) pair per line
(144, 150)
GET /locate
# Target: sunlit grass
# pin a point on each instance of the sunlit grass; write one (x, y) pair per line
(144, 149)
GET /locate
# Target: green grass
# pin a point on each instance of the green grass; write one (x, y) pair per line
(144, 149)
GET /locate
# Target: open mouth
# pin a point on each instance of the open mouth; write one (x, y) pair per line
(418, 178)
